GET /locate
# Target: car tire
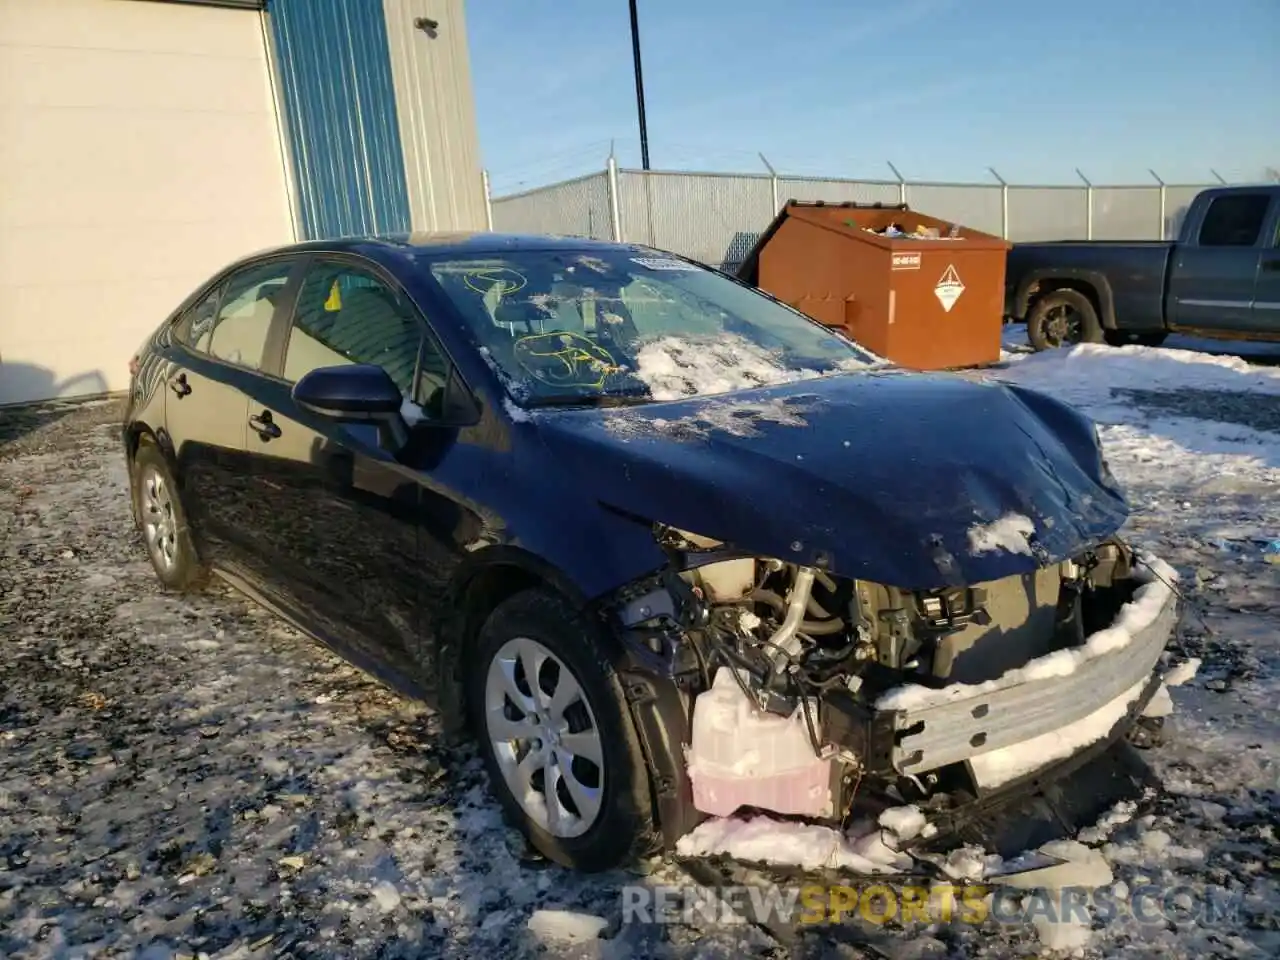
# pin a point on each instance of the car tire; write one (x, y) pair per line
(162, 521)
(603, 815)
(1063, 318)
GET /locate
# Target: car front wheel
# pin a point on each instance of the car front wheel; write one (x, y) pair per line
(556, 734)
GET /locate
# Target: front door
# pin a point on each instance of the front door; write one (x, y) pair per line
(337, 538)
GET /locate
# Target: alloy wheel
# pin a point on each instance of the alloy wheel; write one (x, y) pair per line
(1063, 325)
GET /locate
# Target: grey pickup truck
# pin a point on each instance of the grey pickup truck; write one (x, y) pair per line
(1219, 279)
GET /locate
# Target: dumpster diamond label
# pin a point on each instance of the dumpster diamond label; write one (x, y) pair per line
(948, 289)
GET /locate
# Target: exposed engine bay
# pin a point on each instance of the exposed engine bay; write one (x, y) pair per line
(787, 668)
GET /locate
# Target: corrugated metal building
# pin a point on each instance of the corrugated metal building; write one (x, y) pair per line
(145, 143)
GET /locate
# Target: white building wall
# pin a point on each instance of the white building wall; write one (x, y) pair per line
(139, 152)
(436, 109)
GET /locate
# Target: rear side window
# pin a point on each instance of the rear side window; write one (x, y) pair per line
(236, 332)
(197, 322)
(346, 315)
(1234, 220)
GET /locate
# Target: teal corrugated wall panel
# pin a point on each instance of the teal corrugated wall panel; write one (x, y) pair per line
(340, 116)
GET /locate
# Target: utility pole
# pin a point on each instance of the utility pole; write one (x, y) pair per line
(635, 54)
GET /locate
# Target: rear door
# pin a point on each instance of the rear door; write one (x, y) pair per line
(223, 346)
(1266, 295)
(1213, 275)
(336, 530)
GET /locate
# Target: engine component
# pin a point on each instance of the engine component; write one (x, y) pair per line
(785, 643)
(1018, 624)
(850, 724)
(742, 756)
(1111, 561)
(727, 581)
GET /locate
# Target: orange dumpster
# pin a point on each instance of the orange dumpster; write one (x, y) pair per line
(922, 292)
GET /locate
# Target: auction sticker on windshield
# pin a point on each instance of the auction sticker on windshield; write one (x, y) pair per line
(663, 263)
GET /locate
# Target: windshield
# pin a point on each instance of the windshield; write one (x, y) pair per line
(628, 326)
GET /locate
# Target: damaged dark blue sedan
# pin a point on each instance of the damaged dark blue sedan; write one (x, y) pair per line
(665, 547)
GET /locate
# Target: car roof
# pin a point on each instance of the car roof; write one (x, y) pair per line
(445, 244)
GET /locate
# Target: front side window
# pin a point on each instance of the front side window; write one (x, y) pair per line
(237, 331)
(622, 325)
(346, 315)
(1234, 220)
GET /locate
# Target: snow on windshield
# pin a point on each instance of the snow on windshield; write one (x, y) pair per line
(675, 367)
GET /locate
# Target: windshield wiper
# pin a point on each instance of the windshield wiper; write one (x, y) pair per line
(588, 399)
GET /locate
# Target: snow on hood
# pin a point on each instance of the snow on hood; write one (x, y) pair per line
(881, 475)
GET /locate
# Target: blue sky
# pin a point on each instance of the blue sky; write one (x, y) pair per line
(943, 88)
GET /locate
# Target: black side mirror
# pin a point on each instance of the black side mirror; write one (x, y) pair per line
(355, 393)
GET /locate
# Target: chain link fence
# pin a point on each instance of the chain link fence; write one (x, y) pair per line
(578, 208)
(717, 217)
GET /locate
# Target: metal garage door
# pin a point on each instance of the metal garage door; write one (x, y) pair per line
(139, 151)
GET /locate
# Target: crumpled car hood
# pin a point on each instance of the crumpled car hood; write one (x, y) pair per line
(885, 476)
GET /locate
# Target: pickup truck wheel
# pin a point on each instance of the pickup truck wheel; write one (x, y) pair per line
(1061, 319)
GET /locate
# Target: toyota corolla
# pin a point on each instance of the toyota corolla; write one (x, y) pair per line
(666, 548)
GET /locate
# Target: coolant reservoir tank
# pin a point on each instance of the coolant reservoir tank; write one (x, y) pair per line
(728, 580)
(741, 756)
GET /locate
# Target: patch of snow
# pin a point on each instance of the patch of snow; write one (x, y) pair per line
(1080, 866)
(515, 412)
(968, 863)
(1182, 673)
(598, 265)
(566, 926)
(1157, 841)
(386, 896)
(995, 767)
(1089, 372)
(412, 412)
(1157, 579)
(1160, 705)
(1068, 933)
(739, 418)
(1011, 532)
(762, 839)
(677, 367)
(906, 822)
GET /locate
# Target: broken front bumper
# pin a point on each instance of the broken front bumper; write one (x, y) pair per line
(963, 722)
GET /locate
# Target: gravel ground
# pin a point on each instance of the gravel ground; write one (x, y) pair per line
(187, 776)
(190, 775)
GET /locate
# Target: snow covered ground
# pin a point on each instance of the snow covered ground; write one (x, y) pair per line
(185, 776)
